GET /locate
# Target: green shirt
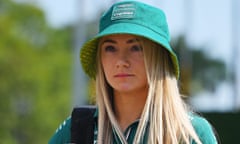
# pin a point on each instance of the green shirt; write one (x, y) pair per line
(201, 126)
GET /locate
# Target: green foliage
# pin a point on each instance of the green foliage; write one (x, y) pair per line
(198, 70)
(35, 74)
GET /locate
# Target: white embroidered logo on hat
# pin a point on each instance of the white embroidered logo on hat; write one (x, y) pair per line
(123, 11)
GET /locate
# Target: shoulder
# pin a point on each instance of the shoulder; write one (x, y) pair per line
(62, 134)
(203, 129)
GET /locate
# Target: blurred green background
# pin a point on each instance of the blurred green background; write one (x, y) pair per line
(37, 74)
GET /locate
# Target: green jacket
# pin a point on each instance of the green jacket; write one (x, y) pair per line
(201, 126)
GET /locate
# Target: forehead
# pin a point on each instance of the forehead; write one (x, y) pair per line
(119, 38)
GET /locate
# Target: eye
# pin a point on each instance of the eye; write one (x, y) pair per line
(136, 48)
(109, 48)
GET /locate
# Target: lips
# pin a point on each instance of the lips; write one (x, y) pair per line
(123, 75)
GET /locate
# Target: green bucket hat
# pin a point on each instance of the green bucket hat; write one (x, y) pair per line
(129, 17)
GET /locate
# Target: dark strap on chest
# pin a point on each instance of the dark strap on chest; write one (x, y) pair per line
(82, 125)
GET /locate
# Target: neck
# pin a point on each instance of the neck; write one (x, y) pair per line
(128, 107)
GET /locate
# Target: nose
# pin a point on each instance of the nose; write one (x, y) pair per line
(123, 60)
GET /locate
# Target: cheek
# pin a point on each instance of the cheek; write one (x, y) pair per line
(107, 72)
(106, 65)
(140, 64)
(141, 68)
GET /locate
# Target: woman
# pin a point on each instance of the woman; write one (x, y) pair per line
(136, 74)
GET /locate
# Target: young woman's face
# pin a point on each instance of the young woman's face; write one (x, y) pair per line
(123, 63)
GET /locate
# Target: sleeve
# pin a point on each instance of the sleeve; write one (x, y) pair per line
(204, 130)
(62, 134)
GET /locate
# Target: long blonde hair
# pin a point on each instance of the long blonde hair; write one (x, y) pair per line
(164, 110)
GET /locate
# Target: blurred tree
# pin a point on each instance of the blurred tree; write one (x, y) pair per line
(35, 75)
(198, 70)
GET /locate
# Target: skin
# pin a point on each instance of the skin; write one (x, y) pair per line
(123, 64)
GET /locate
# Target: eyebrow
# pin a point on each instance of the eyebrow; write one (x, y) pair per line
(133, 40)
(113, 41)
(108, 41)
